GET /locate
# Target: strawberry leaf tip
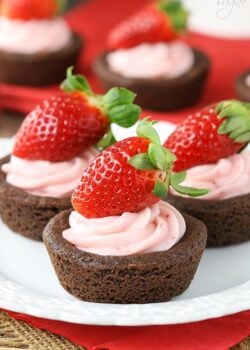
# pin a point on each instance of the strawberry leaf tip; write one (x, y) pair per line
(236, 123)
(74, 83)
(107, 140)
(117, 104)
(176, 12)
(141, 161)
(145, 129)
(177, 178)
(161, 189)
(157, 156)
(117, 96)
(160, 157)
(62, 6)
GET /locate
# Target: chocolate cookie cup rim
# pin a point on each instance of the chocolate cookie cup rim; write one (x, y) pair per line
(28, 198)
(59, 245)
(213, 202)
(241, 78)
(75, 44)
(101, 68)
(242, 89)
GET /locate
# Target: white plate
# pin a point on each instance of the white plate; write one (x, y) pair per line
(28, 283)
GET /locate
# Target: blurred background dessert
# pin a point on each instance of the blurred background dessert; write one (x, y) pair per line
(36, 43)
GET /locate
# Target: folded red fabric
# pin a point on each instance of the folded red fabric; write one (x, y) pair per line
(214, 334)
(229, 58)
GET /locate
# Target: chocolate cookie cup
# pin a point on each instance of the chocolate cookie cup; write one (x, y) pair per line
(41, 68)
(25, 213)
(159, 94)
(140, 278)
(242, 90)
(227, 220)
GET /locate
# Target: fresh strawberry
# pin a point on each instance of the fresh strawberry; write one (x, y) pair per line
(216, 132)
(128, 176)
(31, 9)
(62, 127)
(158, 22)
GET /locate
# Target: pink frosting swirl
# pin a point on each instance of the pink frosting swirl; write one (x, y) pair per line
(47, 179)
(229, 177)
(151, 61)
(152, 229)
(34, 36)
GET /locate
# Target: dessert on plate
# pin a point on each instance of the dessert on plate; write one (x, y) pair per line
(146, 54)
(122, 243)
(52, 147)
(242, 86)
(36, 43)
(211, 146)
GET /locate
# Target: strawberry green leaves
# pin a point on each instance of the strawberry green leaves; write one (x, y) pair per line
(145, 129)
(236, 123)
(161, 189)
(176, 12)
(177, 178)
(141, 161)
(62, 6)
(74, 83)
(117, 105)
(116, 96)
(159, 158)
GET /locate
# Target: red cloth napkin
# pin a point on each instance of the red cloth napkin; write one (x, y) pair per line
(229, 58)
(214, 334)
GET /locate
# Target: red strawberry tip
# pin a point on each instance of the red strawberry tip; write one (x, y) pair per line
(236, 120)
(176, 12)
(160, 158)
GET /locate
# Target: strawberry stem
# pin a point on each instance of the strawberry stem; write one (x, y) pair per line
(62, 5)
(159, 158)
(117, 104)
(177, 14)
(74, 83)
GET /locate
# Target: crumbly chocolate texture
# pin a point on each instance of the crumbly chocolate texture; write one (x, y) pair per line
(159, 94)
(140, 278)
(243, 91)
(227, 220)
(39, 69)
(24, 213)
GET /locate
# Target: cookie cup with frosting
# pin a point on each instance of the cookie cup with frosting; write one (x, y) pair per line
(136, 278)
(159, 93)
(227, 220)
(55, 143)
(123, 243)
(37, 52)
(28, 212)
(225, 210)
